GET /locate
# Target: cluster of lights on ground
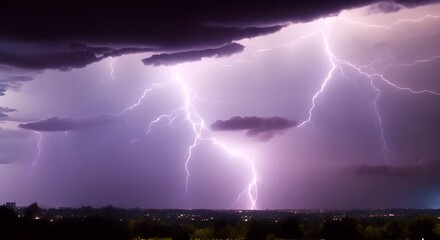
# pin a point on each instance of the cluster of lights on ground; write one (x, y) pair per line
(202, 132)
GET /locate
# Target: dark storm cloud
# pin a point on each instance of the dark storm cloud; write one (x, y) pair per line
(12, 82)
(384, 7)
(424, 168)
(73, 55)
(62, 60)
(191, 56)
(118, 28)
(395, 6)
(109, 52)
(56, 124)
(262, 129)
(415, 3)
(5, 110)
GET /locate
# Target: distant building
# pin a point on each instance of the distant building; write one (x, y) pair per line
(10, 205)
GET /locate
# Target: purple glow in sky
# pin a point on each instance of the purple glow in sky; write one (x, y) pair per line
(228, 106)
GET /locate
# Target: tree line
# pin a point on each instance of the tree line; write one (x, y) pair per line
(105, 226)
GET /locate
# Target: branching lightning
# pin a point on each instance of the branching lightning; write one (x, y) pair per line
(200, 131)
(393, 25)
(144, 95)
(371, 74)
(199, 127)
(324, 83)
(255, 53)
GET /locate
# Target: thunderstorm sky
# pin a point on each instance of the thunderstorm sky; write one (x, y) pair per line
(245, 105)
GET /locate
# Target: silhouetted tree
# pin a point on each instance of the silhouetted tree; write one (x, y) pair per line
(108, 211)
(393, 230)
(289, 229)
(182, 232)
(422, 227)
(146, 228)
(202, 234)
(32, 211)
(256, 230)
(220, 230)
(374, 233)
(8, 222)
(344, 229)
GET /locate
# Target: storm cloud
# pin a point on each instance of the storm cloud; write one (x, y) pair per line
(385, 7)
(56, 124)
(12, 82)
(5, 110)
(159, 117)
(48, 32)
(191, 56)
(262, 129)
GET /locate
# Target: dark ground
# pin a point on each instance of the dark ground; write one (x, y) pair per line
(84, 223)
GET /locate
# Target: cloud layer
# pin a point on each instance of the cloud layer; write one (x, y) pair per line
(56, 124)
(262, 129)
(191, 56)
(55, 37)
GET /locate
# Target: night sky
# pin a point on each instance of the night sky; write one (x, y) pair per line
(223, 105)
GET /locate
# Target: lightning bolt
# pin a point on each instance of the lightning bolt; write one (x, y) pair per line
(428, 16)
(325, 81)
(201, 133)
(302, 37)
(252, 187)
(393, 25)
(144, 95)
(199, 127)
(371, 74)
(385, 150)
(112, 62)
(37, 156)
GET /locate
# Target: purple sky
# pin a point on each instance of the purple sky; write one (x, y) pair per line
(235, 105)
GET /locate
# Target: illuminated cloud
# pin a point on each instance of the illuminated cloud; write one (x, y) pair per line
(167, 59)
(259, 128)
(384, 7)
(349, 77)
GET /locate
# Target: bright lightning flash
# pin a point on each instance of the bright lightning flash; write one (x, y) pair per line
(371, 74)
(201, 133)
(199, 127)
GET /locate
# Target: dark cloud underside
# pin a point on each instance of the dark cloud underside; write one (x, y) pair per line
(191, 56)
(118, 28)
(261, 128)
(56, 124)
